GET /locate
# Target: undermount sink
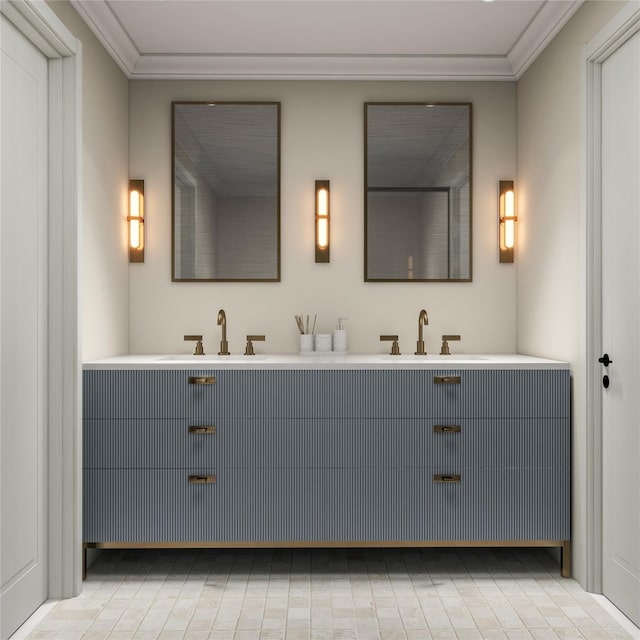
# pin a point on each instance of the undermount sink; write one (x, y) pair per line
(236, 357)
(454, 357)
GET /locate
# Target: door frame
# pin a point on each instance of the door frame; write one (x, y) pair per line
(63, 51)
(622, 27)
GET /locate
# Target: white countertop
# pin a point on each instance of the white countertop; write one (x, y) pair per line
(329, 361)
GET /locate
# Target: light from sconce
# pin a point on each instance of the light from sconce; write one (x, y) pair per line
(322, 220)
(135, 220)
(507, 220)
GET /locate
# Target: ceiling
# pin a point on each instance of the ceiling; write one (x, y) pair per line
(325, 39)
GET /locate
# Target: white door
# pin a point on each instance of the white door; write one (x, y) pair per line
(621, 326)
(23, 317)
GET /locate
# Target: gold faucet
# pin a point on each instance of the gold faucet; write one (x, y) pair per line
(423, 319)
(224, 345)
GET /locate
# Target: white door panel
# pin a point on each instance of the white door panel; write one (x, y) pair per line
(23, 316)
(621, 326)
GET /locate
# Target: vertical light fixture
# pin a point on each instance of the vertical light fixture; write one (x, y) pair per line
(507, 218)
(322, 220)
(135, 220)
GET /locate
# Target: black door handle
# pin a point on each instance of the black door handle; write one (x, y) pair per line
(605, 360)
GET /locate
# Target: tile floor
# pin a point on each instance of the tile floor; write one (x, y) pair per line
(327, 594)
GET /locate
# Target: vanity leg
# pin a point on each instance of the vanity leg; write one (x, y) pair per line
(84, 561)
(565, 559)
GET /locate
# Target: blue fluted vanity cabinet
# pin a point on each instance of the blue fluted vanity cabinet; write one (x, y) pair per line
(270, 457)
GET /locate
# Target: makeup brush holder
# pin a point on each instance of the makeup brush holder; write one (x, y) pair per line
(306, 343)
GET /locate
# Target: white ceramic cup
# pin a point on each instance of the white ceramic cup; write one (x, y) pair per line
(306, 342)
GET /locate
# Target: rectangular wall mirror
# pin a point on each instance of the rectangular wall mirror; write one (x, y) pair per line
(417, 192)
(226, 191)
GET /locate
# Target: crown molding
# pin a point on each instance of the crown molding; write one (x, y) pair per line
(322, 67)
(539, 33)
(106, 27)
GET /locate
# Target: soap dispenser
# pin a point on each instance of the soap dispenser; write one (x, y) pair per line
(340, 337)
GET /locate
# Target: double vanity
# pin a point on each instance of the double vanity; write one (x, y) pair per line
(371, 450)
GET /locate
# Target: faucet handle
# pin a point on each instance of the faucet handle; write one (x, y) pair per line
(444, 350)
(199, 351)
(395, 348)
(248, 351)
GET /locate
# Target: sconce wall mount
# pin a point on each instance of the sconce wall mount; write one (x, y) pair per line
(323, 216)
(135, 220)
(507, 221)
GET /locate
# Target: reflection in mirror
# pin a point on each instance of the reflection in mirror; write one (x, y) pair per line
(226, 191)
(417, 192)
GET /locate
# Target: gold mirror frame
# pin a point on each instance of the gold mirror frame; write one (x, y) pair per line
(401, 150)
(249, 245)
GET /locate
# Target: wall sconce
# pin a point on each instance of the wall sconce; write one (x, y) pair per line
(508, 220)
(322, 220)
(135, 220)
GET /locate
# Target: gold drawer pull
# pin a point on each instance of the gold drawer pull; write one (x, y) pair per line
(449, 477)
(446, 428)
(202, 429)
(446, 379)
(202, 379)
(202, 479)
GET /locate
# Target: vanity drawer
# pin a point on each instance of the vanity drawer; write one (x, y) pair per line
(143, 444)
(497, 443)
(388, 393)
(271, 505)
(148, 505)
(151, 394)
(498, 504)
(493, 393)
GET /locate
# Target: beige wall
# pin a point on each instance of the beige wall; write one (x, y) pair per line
(105, 148)
(322, 137)
(551, 276)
